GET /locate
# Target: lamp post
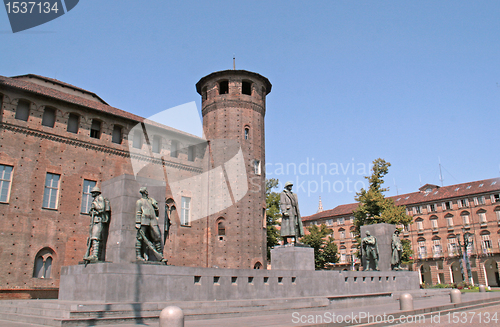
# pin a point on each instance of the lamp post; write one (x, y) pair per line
(466, 255)
(460, 253)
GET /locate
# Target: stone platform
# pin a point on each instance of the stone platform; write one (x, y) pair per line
(130, 282)
(291, 257)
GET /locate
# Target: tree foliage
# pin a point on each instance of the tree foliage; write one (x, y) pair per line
(407, 254)
(272, 215)
(325, 250)
(374, 207)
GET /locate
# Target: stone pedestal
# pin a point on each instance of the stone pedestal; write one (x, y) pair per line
(292, 258)
(383, 232)
(123, 192)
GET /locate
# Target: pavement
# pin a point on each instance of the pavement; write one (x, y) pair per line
(475, 309)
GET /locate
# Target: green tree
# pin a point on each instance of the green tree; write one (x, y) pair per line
(407, 255)
(325, 251)
(375, 208)
(272, 215)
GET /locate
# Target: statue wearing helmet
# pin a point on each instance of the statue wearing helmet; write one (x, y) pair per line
(100, 211)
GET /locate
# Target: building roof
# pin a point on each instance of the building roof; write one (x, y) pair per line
(437, 194)
(19, 82)
(61, 83)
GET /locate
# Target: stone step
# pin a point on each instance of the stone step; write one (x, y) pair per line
(31, 319)
(58, 313)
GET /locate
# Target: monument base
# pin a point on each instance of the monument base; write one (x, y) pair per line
(383, 232)
(290, 257)
(138, 283)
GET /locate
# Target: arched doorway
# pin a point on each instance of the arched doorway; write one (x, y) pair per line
(456, 273)
(491, 272)
(425, 274)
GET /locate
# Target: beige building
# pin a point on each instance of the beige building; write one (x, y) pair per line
(441, 218)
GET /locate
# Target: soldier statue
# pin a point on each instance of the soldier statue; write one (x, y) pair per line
(397, 250)
(369, 248)
(100, 212)
(291, 222)
(146, 223)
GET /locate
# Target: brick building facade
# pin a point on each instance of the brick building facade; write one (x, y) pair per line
(57, 141)
(441, 217)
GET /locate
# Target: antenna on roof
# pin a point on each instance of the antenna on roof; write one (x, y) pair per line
(420, 179)
(397, 190)
(440, 172)
(234, 62)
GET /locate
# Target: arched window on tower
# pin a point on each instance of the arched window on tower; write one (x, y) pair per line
(43, 263)
(256, 167)
(223, 87)
(246, 87)
(221, 229)
(246, 133)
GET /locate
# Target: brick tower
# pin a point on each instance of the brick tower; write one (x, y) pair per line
(233, 109)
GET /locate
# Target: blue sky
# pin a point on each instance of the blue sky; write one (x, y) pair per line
(413, 82)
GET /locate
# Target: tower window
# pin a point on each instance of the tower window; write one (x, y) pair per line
(95, 129)
(49, 117)
(221, 228)
(256, 166)
(117, 135)
(247, 133)
(246, 88)
(185, 208)
(73, 123)
(23, 110)
(223, 87)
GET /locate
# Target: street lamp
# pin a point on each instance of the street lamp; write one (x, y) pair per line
(460, 253)
(466, 255)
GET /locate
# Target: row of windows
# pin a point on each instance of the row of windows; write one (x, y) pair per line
(453, 246)
(223, 88)
(448, 205)
(49, 119)
(465, 215)
(51, 193)
(156, 146)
